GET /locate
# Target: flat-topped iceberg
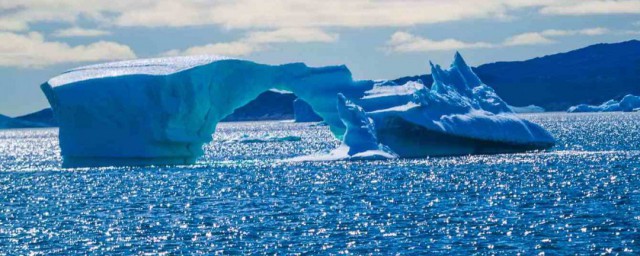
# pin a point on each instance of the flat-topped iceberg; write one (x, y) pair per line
(628, 103)
(162, 111)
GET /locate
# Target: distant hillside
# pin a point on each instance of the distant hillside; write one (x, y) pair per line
(589, 75)
(11, 123)
(44, 117)
(268, 106)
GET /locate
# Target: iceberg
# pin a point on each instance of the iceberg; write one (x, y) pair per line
(162, 111)
(458, 115)
(628, 103)
(527, 109)
(265, 139)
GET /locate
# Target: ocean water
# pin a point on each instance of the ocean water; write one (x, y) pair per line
(580, 197)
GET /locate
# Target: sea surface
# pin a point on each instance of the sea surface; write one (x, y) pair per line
(580, 197)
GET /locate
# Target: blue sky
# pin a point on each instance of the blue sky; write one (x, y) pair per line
(375, 39)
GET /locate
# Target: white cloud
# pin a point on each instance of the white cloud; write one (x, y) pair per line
(586, 32)
(312, 13)
(527, 39)
(593, 31)
(406, 42)
(310, 17)
(31, 50)
(80, 32)
(260, 14)
(299, 35)
(12, 25)
(544, 37)
(258, 40)
(226, 49)
(591, 7)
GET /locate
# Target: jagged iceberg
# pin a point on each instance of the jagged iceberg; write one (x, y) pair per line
(628, 103)
(162, 111)
(458, 115)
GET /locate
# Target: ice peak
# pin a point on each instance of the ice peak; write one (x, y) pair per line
(435, 71)
(467, 74)
(459, 76)
(459, 61)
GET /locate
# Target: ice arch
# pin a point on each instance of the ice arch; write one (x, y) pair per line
(162, 111)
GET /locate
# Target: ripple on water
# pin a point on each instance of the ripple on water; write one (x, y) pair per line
(581, 196)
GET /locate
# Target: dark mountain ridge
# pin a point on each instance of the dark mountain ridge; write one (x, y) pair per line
(555, 82)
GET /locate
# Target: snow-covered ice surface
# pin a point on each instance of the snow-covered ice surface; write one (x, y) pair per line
(162, 111)
(628, 103)
(156, 66)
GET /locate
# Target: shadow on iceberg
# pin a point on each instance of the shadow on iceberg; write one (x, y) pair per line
(162, 111)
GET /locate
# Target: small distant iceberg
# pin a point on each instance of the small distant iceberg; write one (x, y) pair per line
(265, 139)
(629, 103)
(527, 109)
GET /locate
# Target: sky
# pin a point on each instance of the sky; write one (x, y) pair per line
(376, 39)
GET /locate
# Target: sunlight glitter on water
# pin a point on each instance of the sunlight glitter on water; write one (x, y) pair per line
(579, 197)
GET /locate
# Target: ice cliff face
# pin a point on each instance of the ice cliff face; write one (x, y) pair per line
(628, 103)
(161, 111)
